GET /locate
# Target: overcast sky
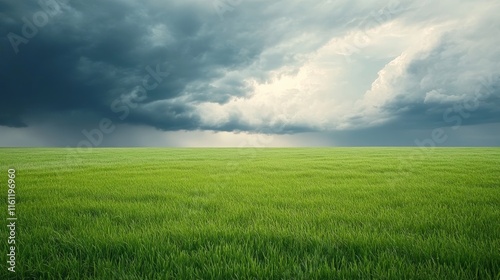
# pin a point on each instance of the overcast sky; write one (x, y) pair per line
(249, 73)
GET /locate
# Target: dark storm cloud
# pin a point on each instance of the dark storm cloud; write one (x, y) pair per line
(91, 53)
(158, 64)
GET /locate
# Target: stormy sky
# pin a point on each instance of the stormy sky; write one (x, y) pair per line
(249, 73)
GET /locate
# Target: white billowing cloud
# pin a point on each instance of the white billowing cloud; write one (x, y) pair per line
(353, 81)
(325, 92)
(459, 64)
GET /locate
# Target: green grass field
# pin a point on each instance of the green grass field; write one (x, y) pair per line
(339, 213)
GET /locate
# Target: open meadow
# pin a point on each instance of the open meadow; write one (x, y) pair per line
(277, 213)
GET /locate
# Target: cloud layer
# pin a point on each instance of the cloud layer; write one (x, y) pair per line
(250, 66)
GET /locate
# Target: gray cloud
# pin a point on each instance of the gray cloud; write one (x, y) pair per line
(459, 77)
(91, 53)
(85, 61)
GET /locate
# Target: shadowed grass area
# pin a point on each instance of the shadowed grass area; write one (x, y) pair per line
(315, 213)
